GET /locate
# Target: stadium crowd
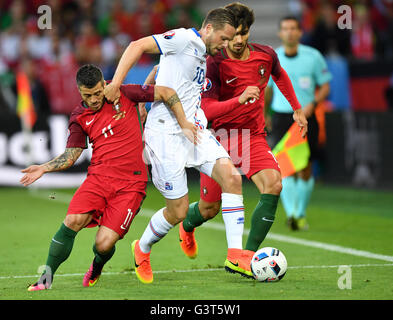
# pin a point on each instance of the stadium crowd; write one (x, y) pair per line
(98, 31)
(371, 35)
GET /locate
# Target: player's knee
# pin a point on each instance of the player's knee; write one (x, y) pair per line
(177, 212)
(77, 222)
(274, 187)
(232, 183)
(104, 245)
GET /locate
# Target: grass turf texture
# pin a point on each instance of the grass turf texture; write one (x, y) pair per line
(358, 219)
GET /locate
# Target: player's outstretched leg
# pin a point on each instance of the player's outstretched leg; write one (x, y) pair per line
(239, 261)
(93, 274)
(59, 250)
(187, 229)
(142, 263)
(187, 242)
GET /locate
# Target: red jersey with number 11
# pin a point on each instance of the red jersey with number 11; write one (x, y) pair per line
(117, 144)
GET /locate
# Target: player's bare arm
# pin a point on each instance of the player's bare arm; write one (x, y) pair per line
(171, 99)
(61, 162)
(130, 57)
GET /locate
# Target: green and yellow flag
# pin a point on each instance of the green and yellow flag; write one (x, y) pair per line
(292, 152)
(25, 107)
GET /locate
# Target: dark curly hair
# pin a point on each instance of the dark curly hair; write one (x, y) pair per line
(244, 15)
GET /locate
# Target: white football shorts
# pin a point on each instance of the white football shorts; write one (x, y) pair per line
(169, 155)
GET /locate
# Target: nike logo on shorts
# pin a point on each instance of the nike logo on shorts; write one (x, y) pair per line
(264, 219)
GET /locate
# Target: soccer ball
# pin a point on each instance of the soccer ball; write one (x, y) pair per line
(268, 265)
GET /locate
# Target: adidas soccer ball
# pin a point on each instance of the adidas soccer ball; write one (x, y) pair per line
(268, 264)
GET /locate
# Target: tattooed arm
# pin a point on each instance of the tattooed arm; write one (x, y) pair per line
(171, 99)
(62, 162)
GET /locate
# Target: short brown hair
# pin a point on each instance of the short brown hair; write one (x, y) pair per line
(293, 18)
(243, 14)
(219, 17)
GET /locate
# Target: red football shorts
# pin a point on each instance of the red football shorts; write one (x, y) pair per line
(114, 202)
(250, 154)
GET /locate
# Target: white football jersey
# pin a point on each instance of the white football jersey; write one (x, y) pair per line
(182, 67)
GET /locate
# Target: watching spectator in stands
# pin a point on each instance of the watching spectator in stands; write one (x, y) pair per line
(327, 37)
(57, 73)
(146, 20)
(112, 47)
(362, 37)
(88, 44)
(185, 14)
(381, 15)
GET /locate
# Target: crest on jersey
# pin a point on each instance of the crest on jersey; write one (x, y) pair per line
(169, 34)
(262, 72)
(207, 85)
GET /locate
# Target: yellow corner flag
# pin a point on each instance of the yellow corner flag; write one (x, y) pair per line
(25, 107)
(292, 152)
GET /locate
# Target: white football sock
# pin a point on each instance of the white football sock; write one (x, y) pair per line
(233, 215)
(157, 229)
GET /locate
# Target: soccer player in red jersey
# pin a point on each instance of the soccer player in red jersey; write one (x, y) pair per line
(114, 189)
(233, 102)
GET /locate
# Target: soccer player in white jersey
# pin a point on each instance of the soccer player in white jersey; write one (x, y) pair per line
(183, 67)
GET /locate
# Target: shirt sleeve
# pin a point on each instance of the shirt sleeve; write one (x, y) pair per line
(321, 71)
(77, 138)
(138, 93)
(172, 42)
(285, 85)
(276, 66)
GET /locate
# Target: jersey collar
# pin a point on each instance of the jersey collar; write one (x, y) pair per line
(196, 32)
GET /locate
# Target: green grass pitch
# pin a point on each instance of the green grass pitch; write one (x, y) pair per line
(347, 227)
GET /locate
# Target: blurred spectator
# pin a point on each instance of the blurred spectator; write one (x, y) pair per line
(88, 44)
(112, 48)
(381, 14)
(57, 73)
(14, 16)
(185, 14)
(362, 37)
(326, 36)
(146, 20)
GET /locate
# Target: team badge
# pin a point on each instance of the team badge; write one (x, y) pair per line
(262, 72)
(169, 34)
(168, 186)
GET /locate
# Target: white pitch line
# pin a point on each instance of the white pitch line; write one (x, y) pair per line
(203, 270)
(66, 198)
